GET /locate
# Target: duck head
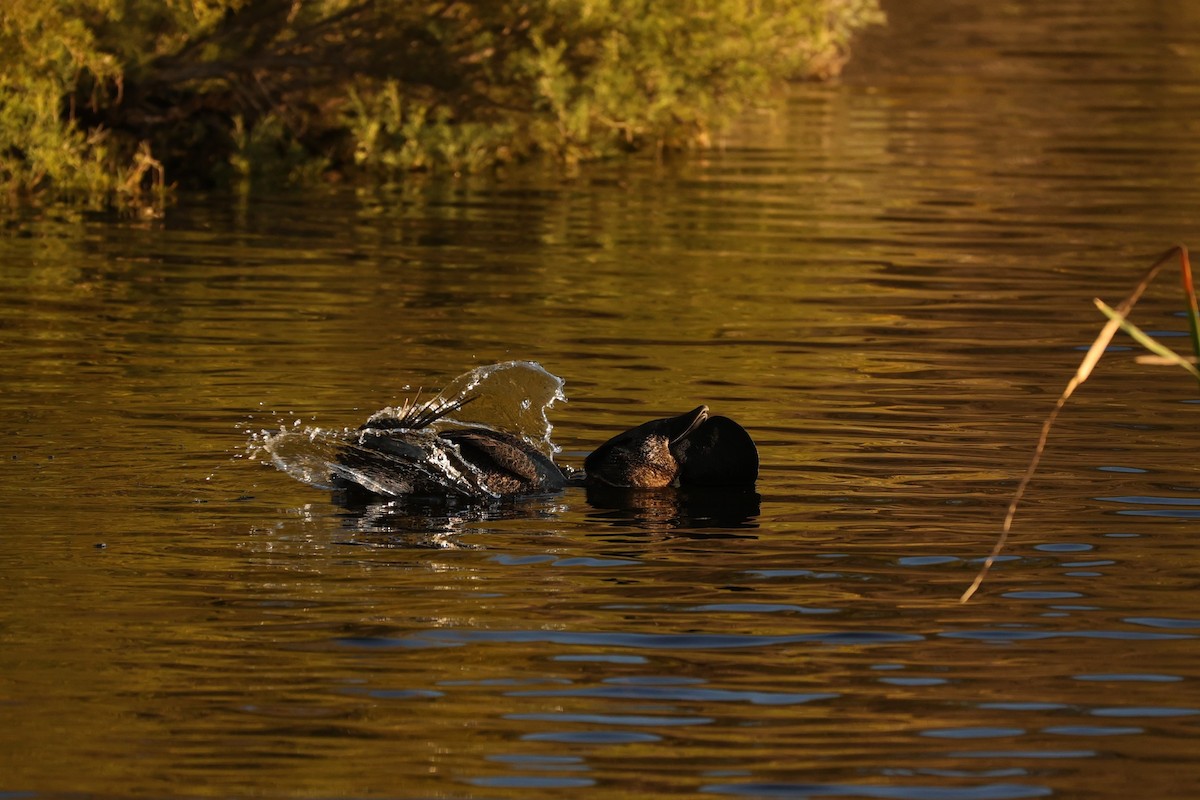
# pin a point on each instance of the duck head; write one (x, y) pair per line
(692, 449)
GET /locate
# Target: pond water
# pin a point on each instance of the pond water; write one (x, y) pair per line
(887, 284)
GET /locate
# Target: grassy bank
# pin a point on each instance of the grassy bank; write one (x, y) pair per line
(110, 98)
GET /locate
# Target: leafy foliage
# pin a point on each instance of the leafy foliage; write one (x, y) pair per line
(104, 96)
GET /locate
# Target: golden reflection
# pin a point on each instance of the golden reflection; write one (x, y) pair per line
(884, 283)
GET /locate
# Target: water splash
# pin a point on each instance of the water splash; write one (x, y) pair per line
(513, 396)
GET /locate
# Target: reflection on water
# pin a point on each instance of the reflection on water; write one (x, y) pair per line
(688, 508)
(887, 285)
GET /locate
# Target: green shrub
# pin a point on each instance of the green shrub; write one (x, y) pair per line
(104, 97)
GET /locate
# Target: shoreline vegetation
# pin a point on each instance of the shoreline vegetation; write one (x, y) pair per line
(110, 101)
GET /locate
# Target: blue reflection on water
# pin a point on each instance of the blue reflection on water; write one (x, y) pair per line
(451, 637)
(991, 791)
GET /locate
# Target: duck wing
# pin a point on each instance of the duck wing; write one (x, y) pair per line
(510, 464)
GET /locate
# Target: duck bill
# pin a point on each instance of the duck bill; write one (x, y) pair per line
(692, 420)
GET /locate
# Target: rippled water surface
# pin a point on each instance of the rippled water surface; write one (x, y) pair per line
(887, 284)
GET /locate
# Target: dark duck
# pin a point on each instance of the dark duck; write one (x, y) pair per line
(401, 454)
(408, 457)
(692, 449)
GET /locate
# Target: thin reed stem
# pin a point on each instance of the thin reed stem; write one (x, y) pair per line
(1090, 359)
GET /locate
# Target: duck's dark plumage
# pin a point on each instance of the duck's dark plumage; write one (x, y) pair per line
(717, 453)
(688, 450)
(509, 464)
(691, 449)
(502, 464)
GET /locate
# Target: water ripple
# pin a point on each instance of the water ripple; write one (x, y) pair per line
(1164, 622)
(975, 732)
(994, 635)
(1126, 676)
(532, 782)
(991, 791)
(670, 693)
(1014, 754)
(450, 637)
(761, 608)
(612, 719)
(1156, 711)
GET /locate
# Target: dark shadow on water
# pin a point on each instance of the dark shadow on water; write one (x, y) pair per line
(675, 508)
(430, 522)
(434, 522)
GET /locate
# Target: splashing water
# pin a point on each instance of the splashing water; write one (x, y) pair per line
(512, 396)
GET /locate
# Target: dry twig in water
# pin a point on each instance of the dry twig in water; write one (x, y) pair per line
(1085, 370)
